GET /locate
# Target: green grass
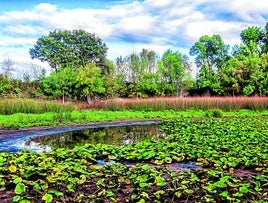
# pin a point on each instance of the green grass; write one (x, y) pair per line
(21, 120)
(31, 106)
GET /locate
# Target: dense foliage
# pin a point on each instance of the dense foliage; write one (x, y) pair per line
(76, 55)
(231, 151)
(69, 49)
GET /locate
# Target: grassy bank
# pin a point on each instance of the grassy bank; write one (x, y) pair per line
(19, 113)
(21, 120)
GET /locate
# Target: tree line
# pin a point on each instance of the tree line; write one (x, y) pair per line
(80, 69)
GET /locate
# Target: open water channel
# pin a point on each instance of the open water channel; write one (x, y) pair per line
(114, 133)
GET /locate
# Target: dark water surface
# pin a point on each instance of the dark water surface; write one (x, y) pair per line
(114, 133)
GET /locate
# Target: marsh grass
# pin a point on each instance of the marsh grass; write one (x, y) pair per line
(184, 104)
(31, 106)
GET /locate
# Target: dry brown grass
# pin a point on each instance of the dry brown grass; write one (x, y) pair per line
(183, 103)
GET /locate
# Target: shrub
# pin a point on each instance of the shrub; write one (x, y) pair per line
(215, 113)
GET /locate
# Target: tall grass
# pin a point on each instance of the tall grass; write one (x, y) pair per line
(184, 103)
(12, 106)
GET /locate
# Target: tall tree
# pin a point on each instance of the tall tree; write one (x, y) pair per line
(210, 51)
(246, 72)
(173, 67)
(264, 40)
(251, 38)
(149, 85)
(133, 69)
(149, 60)
(67, 48)
(60, 83)
(254, 41)
(113, 83)
(246, 75)
(211, 54)
(89, 81)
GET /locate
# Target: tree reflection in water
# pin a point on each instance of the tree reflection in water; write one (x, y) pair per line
(113, 135)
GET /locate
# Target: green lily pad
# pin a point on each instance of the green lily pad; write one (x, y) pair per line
(20, 188)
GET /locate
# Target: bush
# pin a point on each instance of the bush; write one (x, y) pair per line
(215, 113)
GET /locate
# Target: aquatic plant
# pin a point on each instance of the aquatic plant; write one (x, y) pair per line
(231, 151)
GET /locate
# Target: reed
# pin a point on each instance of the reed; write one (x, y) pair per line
(31, 106)
(183, 104)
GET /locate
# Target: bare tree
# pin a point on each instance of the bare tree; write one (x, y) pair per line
(8, 67)
(36, 72)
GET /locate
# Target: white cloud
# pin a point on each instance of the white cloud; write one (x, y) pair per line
(131, 26)
(16, 42)
(195, 30)
(138, 25)
(46, 8)
(20, 30)
(248, 10)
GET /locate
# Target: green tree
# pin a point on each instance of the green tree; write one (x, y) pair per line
(66, 48)
(135, 70)
(207, 79)
(149, 84)
(254, 41)
(173, 67)
(246, 72)
(210, 51)
(264, 40)
(112, 82)
(89, 81)
(149, 60)
(251, 38)
(60, 83)
(246, 75)
(211, 54)
(231, 78)
(5, 85)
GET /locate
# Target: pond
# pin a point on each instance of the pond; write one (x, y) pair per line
(114, 133)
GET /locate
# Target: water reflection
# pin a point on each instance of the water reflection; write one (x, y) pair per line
(110, 135)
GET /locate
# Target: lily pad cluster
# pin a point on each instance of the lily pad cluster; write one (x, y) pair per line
(232, 154)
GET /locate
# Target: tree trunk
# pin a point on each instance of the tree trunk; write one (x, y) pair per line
(89, 99)
(63, 99)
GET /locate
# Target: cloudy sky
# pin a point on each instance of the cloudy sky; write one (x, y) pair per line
(126, 26)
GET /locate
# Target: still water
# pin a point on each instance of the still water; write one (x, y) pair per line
(112, 135)
(105, 134)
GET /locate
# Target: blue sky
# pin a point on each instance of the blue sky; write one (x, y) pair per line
(125, 26)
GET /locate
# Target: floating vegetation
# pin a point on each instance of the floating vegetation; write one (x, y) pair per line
(232, 154)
